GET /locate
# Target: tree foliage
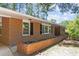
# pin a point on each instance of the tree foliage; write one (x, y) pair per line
(38, 9)
(53, 21)
(45, 8)
(68, 7)
(73, 28)
(65, 23)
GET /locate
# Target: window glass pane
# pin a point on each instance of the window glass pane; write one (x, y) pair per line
(25, 28)
(46, 29)
(31, 28)
(49, 29)
(42, 28)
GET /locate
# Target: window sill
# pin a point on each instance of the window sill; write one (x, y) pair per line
(26, 35)
(45, 33)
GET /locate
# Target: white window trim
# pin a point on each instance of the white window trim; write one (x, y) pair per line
(27, 21)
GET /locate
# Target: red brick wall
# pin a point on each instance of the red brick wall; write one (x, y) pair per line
(36, 30)
(12, 30)
(5, 30)
(15, 30)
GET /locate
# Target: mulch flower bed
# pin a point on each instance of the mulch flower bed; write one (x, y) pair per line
(70, 43)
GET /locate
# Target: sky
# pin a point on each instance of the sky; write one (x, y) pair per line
(59, 17)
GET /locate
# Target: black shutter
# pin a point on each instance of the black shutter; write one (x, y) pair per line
(40, 29)
(31, 28)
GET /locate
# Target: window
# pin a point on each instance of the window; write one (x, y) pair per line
(0, 26)
(49, 29)
(45, 29)
(26, 28)
(31, 27)
(40, 28)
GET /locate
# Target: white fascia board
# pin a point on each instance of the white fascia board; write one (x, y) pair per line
(9, 13)
(26, 20)
(46, 24)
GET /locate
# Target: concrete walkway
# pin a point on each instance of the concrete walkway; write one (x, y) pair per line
(5, 51)
(52, 51)
(60, 51)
